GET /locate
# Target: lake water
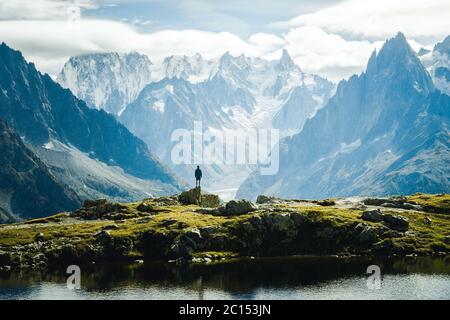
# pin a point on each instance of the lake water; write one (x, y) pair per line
(264, 278)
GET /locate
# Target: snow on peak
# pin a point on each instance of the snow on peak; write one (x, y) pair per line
(286, 62)
(107, 81)
(192, 68)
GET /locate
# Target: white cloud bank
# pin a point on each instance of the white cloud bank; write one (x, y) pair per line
(334, 42)
(380, 19)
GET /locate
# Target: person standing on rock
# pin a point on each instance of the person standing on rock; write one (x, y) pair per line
(198, 177)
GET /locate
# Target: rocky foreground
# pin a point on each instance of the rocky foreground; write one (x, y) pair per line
(199, 228)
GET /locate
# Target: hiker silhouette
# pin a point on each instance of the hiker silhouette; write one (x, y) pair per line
(198, 176)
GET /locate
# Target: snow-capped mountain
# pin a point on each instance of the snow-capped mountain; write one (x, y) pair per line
(440, 65)
(108, 81)
(226, 93)
(85, 150)
(385, 131)
(191, 68)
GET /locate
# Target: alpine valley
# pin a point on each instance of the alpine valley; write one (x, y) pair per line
(108, 134)
(227, 93)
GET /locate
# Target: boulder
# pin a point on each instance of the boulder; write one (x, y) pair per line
(279, 222)
(104, 237)
(212, 211)
(261, 199)
(144, 219)
(366, 234)
(149, 207)
(168, 222)
(210, 230)
(281, 225)
(210, 201)
(326, 202)
(238, 207)
(167, 201)
(100, 209)
(372, 215)
(410, 206)
(185, 244)
(195, 196)
(250, 234)
(94, 203)
(397, 223)
(123, 245)
(374, 201)
(192, 196)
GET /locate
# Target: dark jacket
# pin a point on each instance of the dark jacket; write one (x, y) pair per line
(198, 174)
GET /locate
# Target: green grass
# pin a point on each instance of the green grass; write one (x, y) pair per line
(63, 229)
(436, 203)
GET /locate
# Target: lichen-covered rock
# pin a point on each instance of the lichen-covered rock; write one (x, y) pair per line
(398, 223)
(104, 237)
(261, 199)
(210, 201)
(185, 244)
(366, 234)
(373, 215)
(326, 202)
(238, 207)
(192, 196)
(150, 207)
(168, 222)
(166, 201)
(196, 197)
(100, 209)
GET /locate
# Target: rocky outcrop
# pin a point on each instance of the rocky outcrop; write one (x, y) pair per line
(192, 196)
(101, 209)
(261, 199)
(394, 222)
(372, 215)
(393, 202)
(152, 229)
(238, 207)
(196, 197)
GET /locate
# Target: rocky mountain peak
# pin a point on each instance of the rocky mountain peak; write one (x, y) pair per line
(286, 62)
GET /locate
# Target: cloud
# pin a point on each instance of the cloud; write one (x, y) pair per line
(42, 9)
(335, 42)
(266, 43)
(48, 42)
(427, 21)
(319, 52)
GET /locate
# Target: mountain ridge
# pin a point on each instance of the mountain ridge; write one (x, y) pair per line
(374, 121)
(83, 147)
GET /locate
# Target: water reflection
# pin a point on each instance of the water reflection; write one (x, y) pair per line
(274, 278)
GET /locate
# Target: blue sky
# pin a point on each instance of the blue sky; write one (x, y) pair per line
(242, 18)
(331, 38)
